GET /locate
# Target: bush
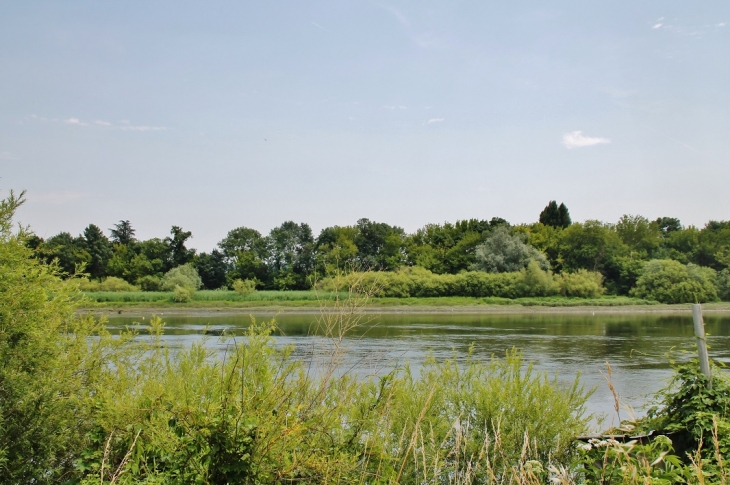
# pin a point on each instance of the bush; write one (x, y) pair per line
(184, 276)
(244, 287)
(669, 281)
(150, 283)
(537, 282)
(112, 283)
(182, 294)
(582, 283)
(420, 282)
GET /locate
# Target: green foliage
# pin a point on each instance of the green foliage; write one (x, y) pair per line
(379, 245)
(178, 254)
(503, 252)
(669, 281)
(696, 415)
(244, 287)
(582, 283)
(212, 269)
(49, 365)
(185, 277)
(608, 461)
(537, 282)
(111, 283)
(723, 284)
(150, 283)
(641, 236)
(555, 216)
(123, 233)
(100, 251)
(532, 281)
(182, 294)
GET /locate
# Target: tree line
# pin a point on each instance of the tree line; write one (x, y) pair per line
(290, 257)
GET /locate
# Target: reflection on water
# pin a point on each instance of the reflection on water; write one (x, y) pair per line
(636, 346)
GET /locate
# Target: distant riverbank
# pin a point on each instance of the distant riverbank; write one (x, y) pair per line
(449, 305)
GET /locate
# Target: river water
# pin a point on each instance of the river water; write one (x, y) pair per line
(638, 347)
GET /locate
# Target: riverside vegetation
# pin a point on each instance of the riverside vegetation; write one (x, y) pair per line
(658, 260)
(79, 405)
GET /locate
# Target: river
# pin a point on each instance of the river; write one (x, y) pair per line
(638, 347)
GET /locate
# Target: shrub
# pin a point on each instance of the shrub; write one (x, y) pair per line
(150, 283)
(184, 276)
(669, 281)
(182, 294)
(49, 363)
(582, 283)
(537, 282)
(112, 283)
(244, 287)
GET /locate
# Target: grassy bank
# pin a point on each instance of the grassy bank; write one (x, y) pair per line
(313, 299)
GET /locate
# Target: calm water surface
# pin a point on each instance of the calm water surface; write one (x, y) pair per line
(636, 346)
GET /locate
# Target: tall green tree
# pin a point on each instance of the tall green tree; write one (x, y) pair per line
(380, 247)
(67, 250)
(99, 248)
(554, 215)
(179, 254)
(246, 251)
(292, 255)
(123, 233)
(212, 269)
(639, 234)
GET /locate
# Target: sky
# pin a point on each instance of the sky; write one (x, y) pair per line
(215, 115)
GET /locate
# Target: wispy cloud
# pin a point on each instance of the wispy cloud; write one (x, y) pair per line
(402, 19)
(576, 139)
(657, 26)
(721, 24)
(56, 198)
(434, 120)
(320, 27)
(124, 125)
(75, 121)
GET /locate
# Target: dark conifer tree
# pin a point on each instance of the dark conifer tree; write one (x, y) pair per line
(99, 249)
(123, 233)
(564, 216)
(555, 216)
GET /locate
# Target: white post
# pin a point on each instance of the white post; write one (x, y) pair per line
(701, 342)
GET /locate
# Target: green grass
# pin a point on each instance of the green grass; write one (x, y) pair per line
(313, 299)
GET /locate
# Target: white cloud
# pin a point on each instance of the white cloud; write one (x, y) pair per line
(75, 121)
(434, 120)
(102, 123)
(721, 24)
(575, 139)
(142, 128)
(656, 26)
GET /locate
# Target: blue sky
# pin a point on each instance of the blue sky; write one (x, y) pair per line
(214, 115)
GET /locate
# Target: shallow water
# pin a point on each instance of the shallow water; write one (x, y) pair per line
(638, 347)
